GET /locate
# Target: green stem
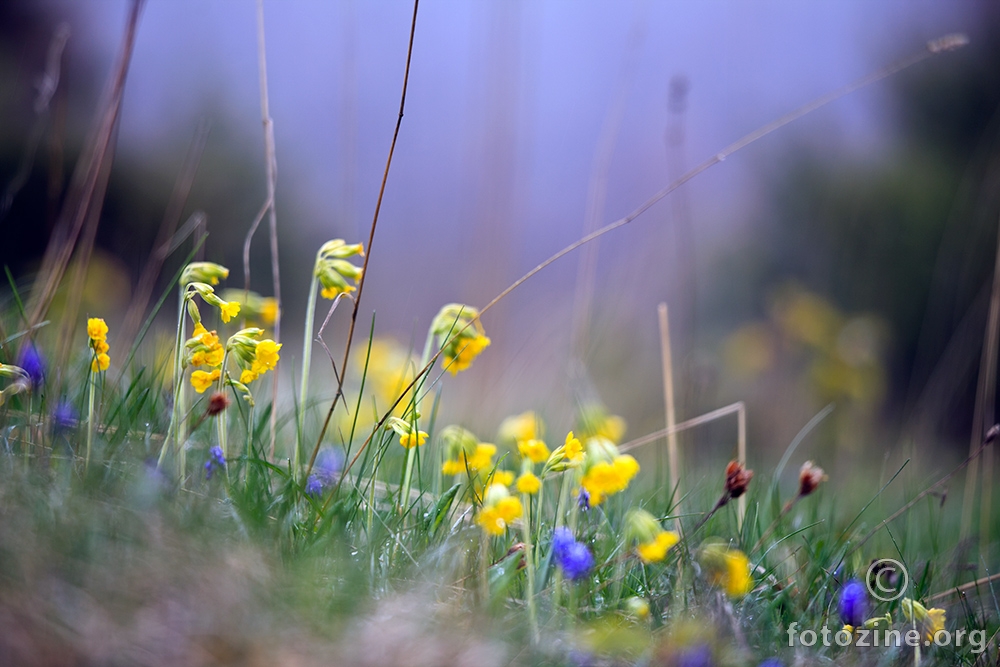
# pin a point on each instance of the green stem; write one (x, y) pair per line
(411, 454)
(90, 417)
(178, 383)
(529, 559)
(181, 401)
(306, 359)
(220, 418)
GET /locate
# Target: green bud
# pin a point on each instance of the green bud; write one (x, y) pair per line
(204, 272)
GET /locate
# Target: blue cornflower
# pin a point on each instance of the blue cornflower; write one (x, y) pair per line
(574, 558)
(216, 460)
(33, 363)
(853, 603)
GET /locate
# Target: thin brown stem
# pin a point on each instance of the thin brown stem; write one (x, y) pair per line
(368, 247)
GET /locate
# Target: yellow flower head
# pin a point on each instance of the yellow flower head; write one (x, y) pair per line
(333, 270)
(460, 336)
(100, 363)
(96, 328)
(652, 541)
(228, 310)
(931, 620)
(499, 510)
(482, 457)
(412, 439)
(202, 380)
(460, 356)
(595, 422)
(267, 353)
(656, 550)
(728, 568)
(528, 483)
(535, 450)
(269, 310)
(518, 428)
(607, 472)
(247, 376)
(573, 448)
(332, 292)
(204, 272)
(502, 477)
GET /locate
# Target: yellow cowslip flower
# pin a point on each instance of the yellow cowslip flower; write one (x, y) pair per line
(931, 620)
(499, 510)
(204, 272)
(535, 450)
(332, 292)
(467, 351)
(267, 354)
(100, 363)
(452, 467)
(728, 568)
(202, 380)
(502, 477)
(228, 310)
(461, 336)
(96, 328)
(412, 439)
(518, 428)
(101, 347)
(247, 376)
(607, 472)
(595, 422)
(637, 608)
(573, 448)
(528, 483)
(214, 356)
(482, 457)
(656, 550)
(253, 306)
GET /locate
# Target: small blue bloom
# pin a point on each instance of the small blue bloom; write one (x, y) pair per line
(216, 461)
(574, 558)
(314, 487)
(329, 463)
(33, 363)
(64, 416)
(583, 499)
(771, 662)
(853, 603)
(696, 656)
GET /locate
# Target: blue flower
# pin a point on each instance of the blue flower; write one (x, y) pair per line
(574, 558)
(771, 662)
(583, 499)
(327, 467)
(216, 461)
(63, 417)
(696, 656)
(33, 363)
(853, 603)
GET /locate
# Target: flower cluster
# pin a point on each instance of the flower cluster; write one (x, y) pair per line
(727, 568)
(97, 330)
(204, 349)
(499, 509)
(216, 461)
(460, 334)
(254, 357)
(572, 557)
(652, 542)
(606, 471)
(198, 278)
(409, 435)
(463, 451)
(333, 270)
(257, 309)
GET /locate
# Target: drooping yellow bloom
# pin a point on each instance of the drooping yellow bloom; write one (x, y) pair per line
(482, 458)
(606, 478)
(202, 380)
(518, 428)
(502, 477)
(100, 363)
(468, 350)
(228, 310)
(931, 620)
(332, 292)
(247, 376)
(734, 576)
(499, 510)
(573, 448)
(656, 550)
(528, 483)
(412, 439)
(101, 347)
(535, 450)
(96, 328)
(267, 354)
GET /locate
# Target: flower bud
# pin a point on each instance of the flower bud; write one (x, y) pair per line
(204, 272)
(810, 477)
(737, 479)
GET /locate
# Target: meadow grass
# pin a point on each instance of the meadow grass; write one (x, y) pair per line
(166, 509)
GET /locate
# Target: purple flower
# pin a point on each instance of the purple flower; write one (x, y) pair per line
(63, 417)
(771, 662)
(696, 656)
(33, 363)
(583, 499)
(574, 558)
(216, 461)
(853, 603)
(327, 467)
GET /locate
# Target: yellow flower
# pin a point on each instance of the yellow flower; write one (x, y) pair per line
(267, 354)
(606, 478)
(202, 380)
(499, 510)
(199, 331)
(228, 310)
(931, 620)
(213, 357)
(452, 467)
(247, 376)
(534, 450)
(101, 346)
(528, 483)
(935, 621)
(100, 363)
(462, 354)
(332, 292)
(525, 426)
(482, 458)
(412, 439)
(573, 448)
(735, 579)
(96, 328)
(269, 310)
(503, 477)
(656, 549)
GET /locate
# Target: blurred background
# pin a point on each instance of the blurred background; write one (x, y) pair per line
(844, 260)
